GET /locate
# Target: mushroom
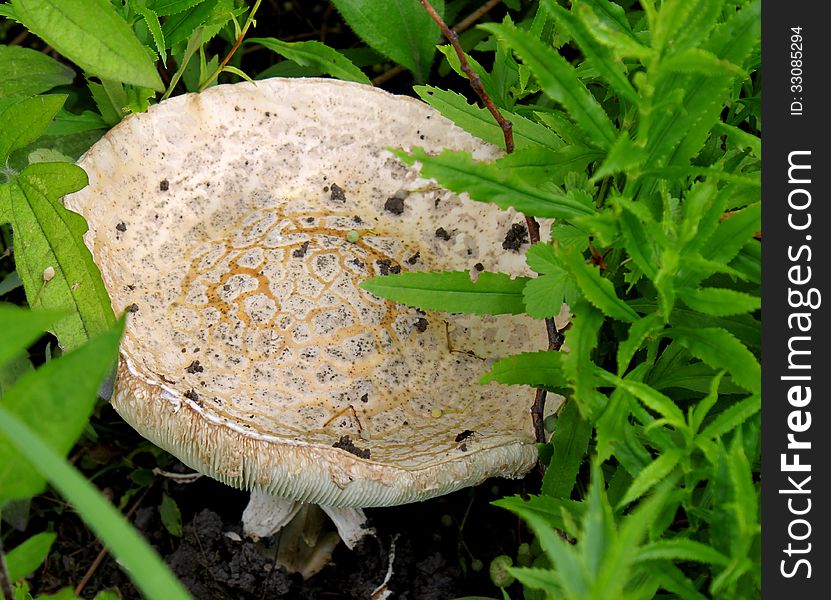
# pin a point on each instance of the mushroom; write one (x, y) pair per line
(236, 226)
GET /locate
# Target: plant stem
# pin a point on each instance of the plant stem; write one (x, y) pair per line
(5, 583)
(234, 48)
(555, 339)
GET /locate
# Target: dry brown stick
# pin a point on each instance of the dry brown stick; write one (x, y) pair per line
(459, 27)
(555, 339)
(102, 555)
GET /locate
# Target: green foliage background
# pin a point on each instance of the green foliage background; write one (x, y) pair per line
(636, 127)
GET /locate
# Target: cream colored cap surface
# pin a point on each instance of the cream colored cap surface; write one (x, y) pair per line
(236, 226)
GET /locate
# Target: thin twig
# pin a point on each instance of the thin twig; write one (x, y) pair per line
(459, 27)
(5, 583)
(555, 339)
(103, 554)
(234, 48)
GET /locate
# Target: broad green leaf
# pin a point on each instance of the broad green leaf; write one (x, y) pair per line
(721, 350)
(315, 54)
(26, 72)
(23, 120)
(642, 234)
(616, 435)
(458, 172)
(748, 262)
(140, 562)
(740, 138)
(719, 302)
(25, 559)
(651, 475)
(544, 507)
(623, 157)
(578, 365)
(569, 236)
(57, 399)
(641, 330)
(480, 122)
(452, 291)
(48, 239)
(684, 24)
(538, 369)
(66, 123)
(696, 60)
(697, 377)
(180, 26)
(399, 29)
(650, 397)
(599, 56)
(732, 417)
(560, 82)
(155, 28)
(92, 35)
(598, 290)
(170, 515)
(164, 8)
(570, 441)
(542, 259)
(681, 549)
(544, 296)
(19, 328)
(609, 26)
(733, 233)
(535, 578)
(13, 369)
(542, 165)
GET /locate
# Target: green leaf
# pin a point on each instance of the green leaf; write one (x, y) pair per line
(651, 475)
(545, 508)
(19, 328)
(479, 121)
(315, 54)
(732, 417)
(140, 562)
(48, 238)
(560, 82)
(92, 35)
(684, 24)
(741, 139)
(538, 369)
(719, 302)
(164, 8)
(26, 72)
(598, 290)
(452, 291)
(458, 172)
(641, 330)
(733, 233)
(152, 20)
(721, 350)
(570, 442)
(581, 340)
(599, 56)
(57, 399)
(23, 120)
(180, 26)
(650, 397)
(170, 515)
(25, 559)
(544, 296)
(399, 29)
(681, 549)
(534, 578)
(608, 24)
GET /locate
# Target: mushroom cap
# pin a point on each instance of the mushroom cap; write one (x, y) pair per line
(236, 226)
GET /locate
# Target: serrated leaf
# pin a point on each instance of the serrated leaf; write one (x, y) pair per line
(315, 54)
(721, 350)
(733, 233)
(452, 291)
(152, 20)
(544, 296)
(651, 475)
(19, 328)
(642, 234)
(560, 82)
(170, 516)
(399, 29)
(581, 339)
(542, 165)
(458, 172)
(608, 24)
(681, 549)
(719, 302)
(570, 441)
(92, 35)
(65, 390)
(599, 56)
(164, 8)
(545, 508)
(748, 262)
(685, 24)
(24, 559)
(180, 26)
(740, 138)
(732, 417)
(598, 290)
(479, 122)
(696, 60)
(538, 369)
(639, 331)
(23, 120)
(26, 72)
(49, 236)
(623, 157)
(650, 397)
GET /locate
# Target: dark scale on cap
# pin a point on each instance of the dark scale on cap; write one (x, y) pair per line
(337, 194)
(345, 443)
(365, 398)
(421, 324)
(394, 205)
(385, 267)
(194, 367)
(301, 251)
(515, 237)
(413, 259)
(442, 234)
(192, 395)
(164, 185)
(479, 267)
(133, 308)
(122, 227)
